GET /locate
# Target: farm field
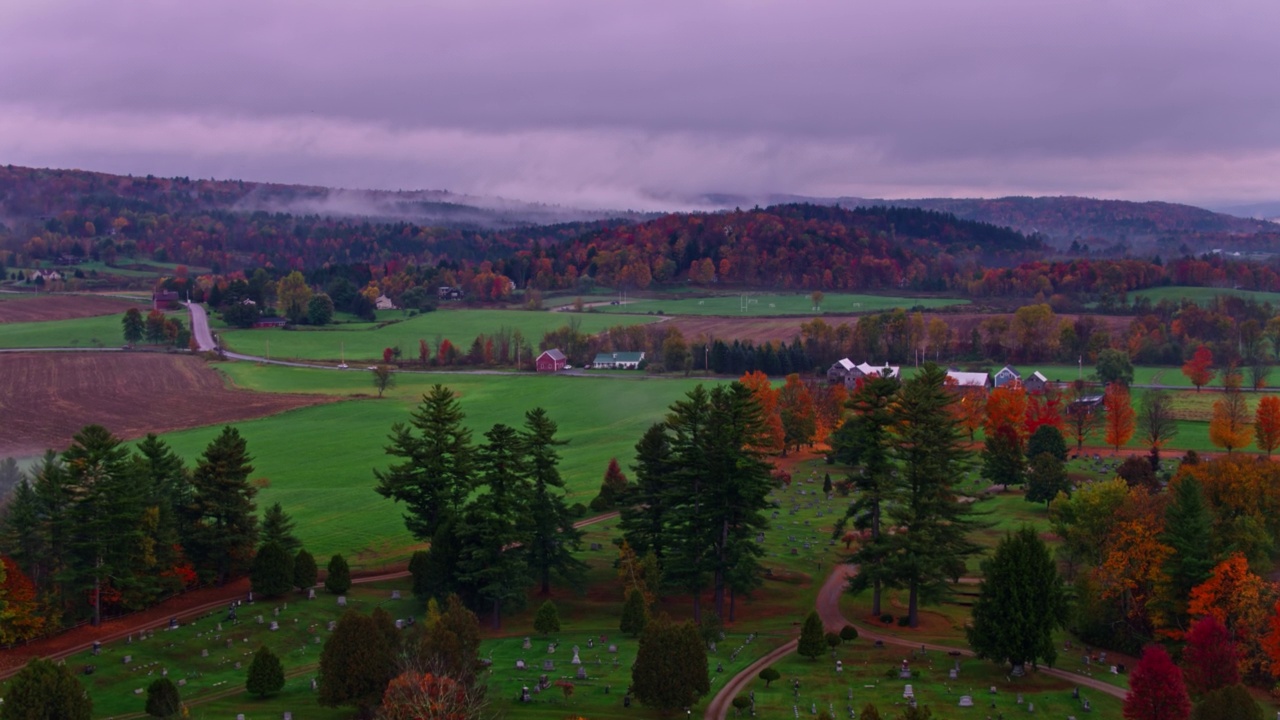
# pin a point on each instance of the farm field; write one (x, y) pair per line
(45, 398)
(1202, 295)
(766, 304)
(318, 461)
(366, 345)
(100, 331)
(45, 307)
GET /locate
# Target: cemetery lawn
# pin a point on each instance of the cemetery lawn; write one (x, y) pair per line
(765, 304)
(366, 343)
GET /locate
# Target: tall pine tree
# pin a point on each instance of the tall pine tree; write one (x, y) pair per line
(644, 507)
(1021, 602)
(1189, 532)
(552, 538)
(224, 528)
(278, 527)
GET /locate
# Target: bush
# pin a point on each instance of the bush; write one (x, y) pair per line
(886, 618)
(338, 581)
(768, 675)
(848, 633)
(578, 510)
(904, 621)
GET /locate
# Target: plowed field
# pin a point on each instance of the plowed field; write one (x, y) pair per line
(45, 398)
(61, 307)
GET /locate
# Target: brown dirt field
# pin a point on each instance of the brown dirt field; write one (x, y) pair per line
(45, 398)
(61, 307)
(785, 329)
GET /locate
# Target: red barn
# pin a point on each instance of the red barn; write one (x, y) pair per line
(550, 361)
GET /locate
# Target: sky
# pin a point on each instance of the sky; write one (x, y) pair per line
(646, 104)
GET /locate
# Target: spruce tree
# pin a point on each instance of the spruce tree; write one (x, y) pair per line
(419, 564)
(812, 642)
(163, 700)
(634, 614)
(272, 572)
(168, 494)
(305, 571)
(552, 538)
(1047, 478)
(644, 505)
(1047, 438)
(931, 551)
(44, 689)
(547, 620)
(224, 527)
(1021, 602)
(433, 478)
(356, 664)
(133, 326)
(266, 674)
(278, 527)
(670, 671)
(1189, 533)
(338, 578)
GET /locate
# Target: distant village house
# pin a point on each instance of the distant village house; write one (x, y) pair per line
(550, 361)
(844, 371)
(618, 360)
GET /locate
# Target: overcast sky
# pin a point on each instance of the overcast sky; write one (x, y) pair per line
(630, 103)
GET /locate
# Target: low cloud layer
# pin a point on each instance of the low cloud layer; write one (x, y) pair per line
(639, 103)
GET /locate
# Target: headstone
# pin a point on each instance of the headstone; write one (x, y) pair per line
(613, 648)
(520, 664)
(1084, 705)
(399, 623)
(1031, 707)
(128, 659)
(204, 653)
(1114, 671)
(953, 674)
(182, 682)
(259, 619)
(97, 648)
(626, 701)
(237, 666)
(173, 623)
(966, 701)
(311, 593)
(275, 611)
(551, 648)
(591, 643)
(908, 692)
(137, 691)
(548, 665)
(219, 627)
(839, 666)
(582, 673)
(88, 669)
(527, 645)
(342, 601)
(250, 597)
(719, 667)
(240, 717)
(1019, 698)
(314, 685)
(333, 625)
(524, 694)
(275, 625)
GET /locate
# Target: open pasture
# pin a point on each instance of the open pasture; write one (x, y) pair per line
(87, 332)
(1203, 295)
(45, 398)
(753, 304)
(366, 344)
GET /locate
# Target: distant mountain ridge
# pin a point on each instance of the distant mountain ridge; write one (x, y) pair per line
(1058, 219)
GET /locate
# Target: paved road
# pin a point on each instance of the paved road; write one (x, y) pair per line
(200, 327)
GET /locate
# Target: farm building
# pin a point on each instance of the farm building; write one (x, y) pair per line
(1036, 382)
(1087, 402)
(550, 361)
(384, 303)
(846, 372)
(839, 371)
(270, 322)
(1005, 375)
(162, 299)
(970, 380)
(619, 360)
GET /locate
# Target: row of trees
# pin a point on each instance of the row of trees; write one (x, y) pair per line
(156, 329)
(495, 513)
(100, 528)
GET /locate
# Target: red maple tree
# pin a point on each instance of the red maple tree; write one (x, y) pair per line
(1211, 659)
(1199, 369)
(1156, 690)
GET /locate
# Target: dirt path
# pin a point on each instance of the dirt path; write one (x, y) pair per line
(828, 607)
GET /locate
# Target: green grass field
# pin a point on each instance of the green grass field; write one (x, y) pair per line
(319, 460)
(100, 331)
(1203, 295)
(366, 343)
(765, 304)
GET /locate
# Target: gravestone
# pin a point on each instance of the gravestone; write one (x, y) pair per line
(399, 624)
(173, 623)
(237, 666)
(333, 625)
(953, 674)
(182, 682)
(229, 641)
(582, 673)
(1031, 707)
(908, 692)
(839, 666)
(342, 601)
(524, 694)
(219, 627)
(1084, 705)
(966, 701)
(97, 648)
(527, 645)
(314, 685)
(613, 648)
(395, 594)
(274, 626)
(315, 639)
(591, 643)
(275, 611)
(259, 619)
(1019, 699)
(548, 665)
(88, 669)
(311, 593)
(204, 653)
(128, 659)
(719, 667)
(520, 664)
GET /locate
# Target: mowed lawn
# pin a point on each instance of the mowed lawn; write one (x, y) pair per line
(366, 344)
(318, 462)
(764, 304)
(100, 331)
(1203, 295)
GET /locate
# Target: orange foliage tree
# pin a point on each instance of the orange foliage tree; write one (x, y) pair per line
(970, 408)
(1043, 408)
(1238, 599)
(795, 406)
(1244, 500)
(760, 387)
(423, 696)
(1133, 555)
(1199, 369)
(1266, 424)
(20, 613)
(1007, 407)
(1229, 427)
(1119, 420)
(828, 407)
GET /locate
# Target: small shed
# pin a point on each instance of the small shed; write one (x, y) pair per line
(965, 381)
(840, 370)
(550, 361)
(1036, 382)
(619, 360)
(1005, 375)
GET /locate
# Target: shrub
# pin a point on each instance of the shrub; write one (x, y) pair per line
(848, 633)
(768, 675)
(886, 618)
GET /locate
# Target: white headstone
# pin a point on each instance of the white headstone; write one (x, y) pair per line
(128, 659)
(342, 601)
(908, 692)
(311, 594)
(137, 691)
(204, 653)
(275, 625)
(575, 659)
(966, 701)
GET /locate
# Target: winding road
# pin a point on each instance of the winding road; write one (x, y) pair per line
(828, 607)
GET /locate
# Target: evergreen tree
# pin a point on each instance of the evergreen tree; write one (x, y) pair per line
(612, 488)
(278, 527)
(419, 563)
(1047, 478)
(931, 551)
(1229, 703)
(133, 325)
(1002, 460)
(163, 700)
(547, 620)
(490, 565)
(670, 671)
(106, 538)
(1047, 438)
(338, 579)
(434, 477)
(644, 508)
(634, 614)
(450, 646)
(224, 527)
(812, 642)
(272, 571)
(168, 495)
(356, 664)
(552, 538)
(266, 674)
(305, 571)
(440, 572)
(1020, 603)
(37, 526)
(44, 690)
(1189, 533)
